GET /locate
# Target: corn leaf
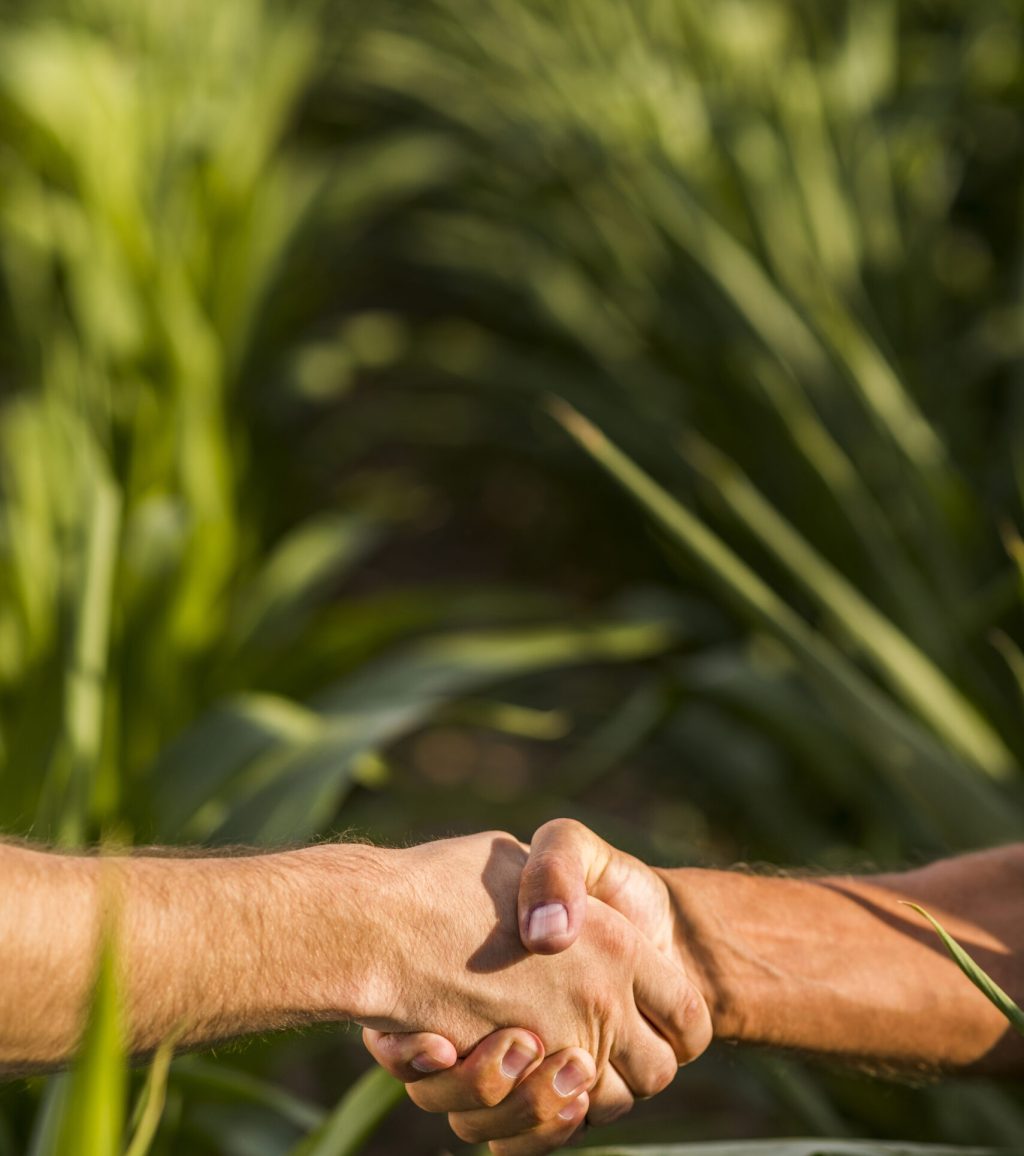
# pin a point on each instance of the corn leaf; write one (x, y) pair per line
(206, 757)
(92, 1114)
(908, 670)
(984, 983)
(277, 783)
(911, 757)
(356, 1117)
(208, 1077)
(152, 1100)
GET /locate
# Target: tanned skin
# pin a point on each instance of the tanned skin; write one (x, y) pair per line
(400, 940)
(835, 967)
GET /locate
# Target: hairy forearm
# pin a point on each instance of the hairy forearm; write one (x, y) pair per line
(207, 948)
(836, 966)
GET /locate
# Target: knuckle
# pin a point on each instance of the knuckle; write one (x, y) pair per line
(482, 1083)
(489, 1095)
(560, 831)
(546, 860)
(382, 1048)
(693, 1029)
(464, 1128)
(421, 1099)
(484, 1087)
(537, 1104)
(434, 1099)
(656, 1077)
(494, 833)
(618, 940)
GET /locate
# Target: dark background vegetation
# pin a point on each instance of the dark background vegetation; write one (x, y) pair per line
(292, 542)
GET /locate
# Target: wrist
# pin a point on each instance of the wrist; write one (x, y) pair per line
(339, 930)
(697, 943)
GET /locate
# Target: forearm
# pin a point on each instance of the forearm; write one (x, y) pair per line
(206, 947)
(835, 966)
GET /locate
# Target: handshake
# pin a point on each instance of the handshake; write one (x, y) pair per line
(570, 978)
(573, 979)
(575, 944)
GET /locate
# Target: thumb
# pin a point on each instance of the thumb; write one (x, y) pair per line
(410, 1056)
(566, 861)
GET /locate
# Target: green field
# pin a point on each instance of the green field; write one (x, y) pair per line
(424, 417)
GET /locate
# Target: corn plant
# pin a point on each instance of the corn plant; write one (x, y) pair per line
(165, 602)
(758, 261)
(746, 249)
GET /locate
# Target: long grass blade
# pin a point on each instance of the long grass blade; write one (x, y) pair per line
(356, 1118)
(74, 787)
(205, 1077)
(931, 777)
(983, 982)
(909, 671)
(92, 1118)
(151, 1103)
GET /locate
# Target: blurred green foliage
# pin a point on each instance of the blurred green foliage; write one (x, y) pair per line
(289, 541)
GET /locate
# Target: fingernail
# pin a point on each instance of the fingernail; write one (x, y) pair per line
(516, 1060)
(570, 1079)
(570, 1112)
(548, 919)
(425, 1063)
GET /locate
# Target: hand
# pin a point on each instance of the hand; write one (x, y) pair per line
(464, 966)
(567, 861)
(523, 1111)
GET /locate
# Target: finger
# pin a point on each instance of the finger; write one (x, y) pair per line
(410, 1056)
(485, 1077)
(548, 1136)
(566, 860)
(643, 1058)
(610, 1097)
(669, 1024)
(669, 1000)
(552, 1087)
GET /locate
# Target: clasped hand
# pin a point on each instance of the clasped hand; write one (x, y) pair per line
(549, 1036)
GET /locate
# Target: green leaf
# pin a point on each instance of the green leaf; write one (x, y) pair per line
(92, 1115)
(299, 789)
(908, 670)
(151, 1103)
(432, 672)
(509, 718)
(1013, 655)
(73, 786)
(356, 1117)
(933, 778)
(206, 758)
(204, 1077)
(984, 983)
(273, 792)
(49, 1116)
(298, 575)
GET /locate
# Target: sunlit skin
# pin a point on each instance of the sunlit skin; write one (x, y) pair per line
(628, 971)
(834, 966)
(401, 940)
